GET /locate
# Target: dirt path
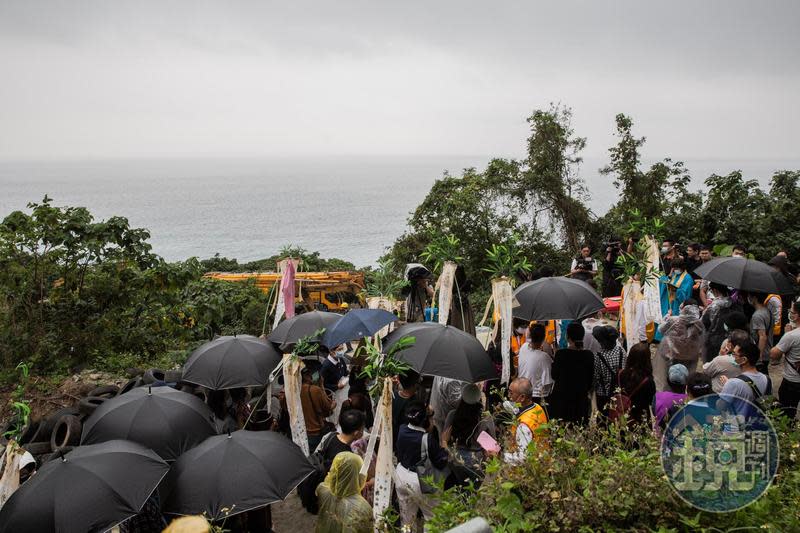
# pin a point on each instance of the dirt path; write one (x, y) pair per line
(290, 517)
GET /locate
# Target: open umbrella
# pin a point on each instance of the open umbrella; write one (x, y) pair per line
(293, 329)
(163, 419)
(557, 298)
(230, 474)
(91, 488)
(230, 362)
(356, 324)
(745, 274)
(444, 351)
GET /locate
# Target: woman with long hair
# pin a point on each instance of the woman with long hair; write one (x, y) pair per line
(462, 428)
(636, 382)
(573, 373)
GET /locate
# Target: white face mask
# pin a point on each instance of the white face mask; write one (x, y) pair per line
(664, 250)
(520, 331)
(678, 270)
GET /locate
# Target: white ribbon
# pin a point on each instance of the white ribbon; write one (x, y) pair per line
(503, 297)
(445, 286)
(385, 466)
(292, 383)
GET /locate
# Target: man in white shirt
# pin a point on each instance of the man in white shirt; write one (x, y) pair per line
(534, 364)
(789, 348)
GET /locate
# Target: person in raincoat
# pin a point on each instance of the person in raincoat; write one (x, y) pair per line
(683, 336)
(341, 506)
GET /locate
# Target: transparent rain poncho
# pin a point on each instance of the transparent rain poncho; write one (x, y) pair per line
(341, 506)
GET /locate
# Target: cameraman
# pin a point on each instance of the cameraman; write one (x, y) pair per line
(584, 267)
(612, 286)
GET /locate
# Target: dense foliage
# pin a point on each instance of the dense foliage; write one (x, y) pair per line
(541, 198)
(599, 479)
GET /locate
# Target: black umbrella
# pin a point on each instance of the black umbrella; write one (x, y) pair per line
(230, 362)
(745, 274)
(163, 419)
(356, 324)
(444, 351)
(557, 298)
(293, 329)
(230, 474)
(91, 488)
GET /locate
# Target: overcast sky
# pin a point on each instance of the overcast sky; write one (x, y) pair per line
(167, 78)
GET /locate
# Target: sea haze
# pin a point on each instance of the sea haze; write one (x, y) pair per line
(347, 207)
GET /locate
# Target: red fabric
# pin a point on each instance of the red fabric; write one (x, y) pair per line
(612, 304)
(287, 288)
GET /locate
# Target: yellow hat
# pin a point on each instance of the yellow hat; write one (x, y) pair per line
(345, 305)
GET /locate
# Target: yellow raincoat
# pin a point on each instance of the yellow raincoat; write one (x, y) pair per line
(341, 506)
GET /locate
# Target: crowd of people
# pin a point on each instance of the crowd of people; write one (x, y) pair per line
(587, 371)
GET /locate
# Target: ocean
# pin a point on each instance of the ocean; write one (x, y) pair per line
(347, 207)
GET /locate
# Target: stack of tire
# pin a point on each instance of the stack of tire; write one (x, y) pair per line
(59, 432)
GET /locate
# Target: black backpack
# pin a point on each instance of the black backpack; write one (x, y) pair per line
(307, 490)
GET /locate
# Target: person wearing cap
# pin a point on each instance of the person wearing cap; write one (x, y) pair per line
(462, 428)
(676, 394)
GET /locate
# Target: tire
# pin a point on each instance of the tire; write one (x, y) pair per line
(38, 448)
(109, 391)
(47, 425)
(173, 376)
(67, 432)
(151, 375)
(29, 432)
(129, 385)
(88, 405)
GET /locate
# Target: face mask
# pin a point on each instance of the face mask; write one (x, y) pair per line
(510, 407)
(664, 250)
(678, 270)
(725, 326)
(733, 360)
(520, 331)
(341, 352)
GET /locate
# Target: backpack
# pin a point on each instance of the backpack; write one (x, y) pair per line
(622, 401)
(759, 399)
(307, 489)
(425, 468)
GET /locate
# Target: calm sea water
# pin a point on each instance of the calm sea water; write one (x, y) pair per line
(351, 208)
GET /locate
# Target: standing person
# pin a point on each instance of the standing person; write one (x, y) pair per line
(461, 315)
(676, 287)
(407, 391)
(535, 364)
(682, 339)
(636, 382)
(518, 339)
(584, 267)
(665, 400)
(739, 251)
(240, 409)
(334, 369)
(611, 271)
(419, 293)
(409, 455)
(573, 372)
(697, 409)
(608, 362)
(725, 364)
(761, 328)
(445, 395)
(317, 406)
(693, 259)
(351, 423)
(750, 385)
(529, 417)
(716, 318)
(789, 348)
(462, 428)
(669, 252)
(342, 509)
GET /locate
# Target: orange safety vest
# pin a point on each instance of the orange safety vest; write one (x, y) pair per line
(533, 417)
(549, 331)
(776, 327)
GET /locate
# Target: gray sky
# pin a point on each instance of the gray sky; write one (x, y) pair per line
(168, 78)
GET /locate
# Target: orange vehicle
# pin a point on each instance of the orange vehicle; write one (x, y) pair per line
(325, 291)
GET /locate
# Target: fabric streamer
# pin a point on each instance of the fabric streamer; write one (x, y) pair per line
(631, 297)
(381, 302)
(287, 287)
(503, 297)
(279, 310)
(292, 383)
(652, 291)
(445, 287)
(11, 467)
(384, 468)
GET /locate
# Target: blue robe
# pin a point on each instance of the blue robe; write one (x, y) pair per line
(682, 284)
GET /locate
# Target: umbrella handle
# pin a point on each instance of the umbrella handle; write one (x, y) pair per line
(272, 377)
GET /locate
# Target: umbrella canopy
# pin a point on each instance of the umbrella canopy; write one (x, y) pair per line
(745, 274)
(163, 419)
(230, 362)
(556, 298)
(293, 329)
(444, 351)
(230, 474)
(356, 324)
(92, 488)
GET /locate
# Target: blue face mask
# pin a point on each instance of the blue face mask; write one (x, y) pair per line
(733, 360)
